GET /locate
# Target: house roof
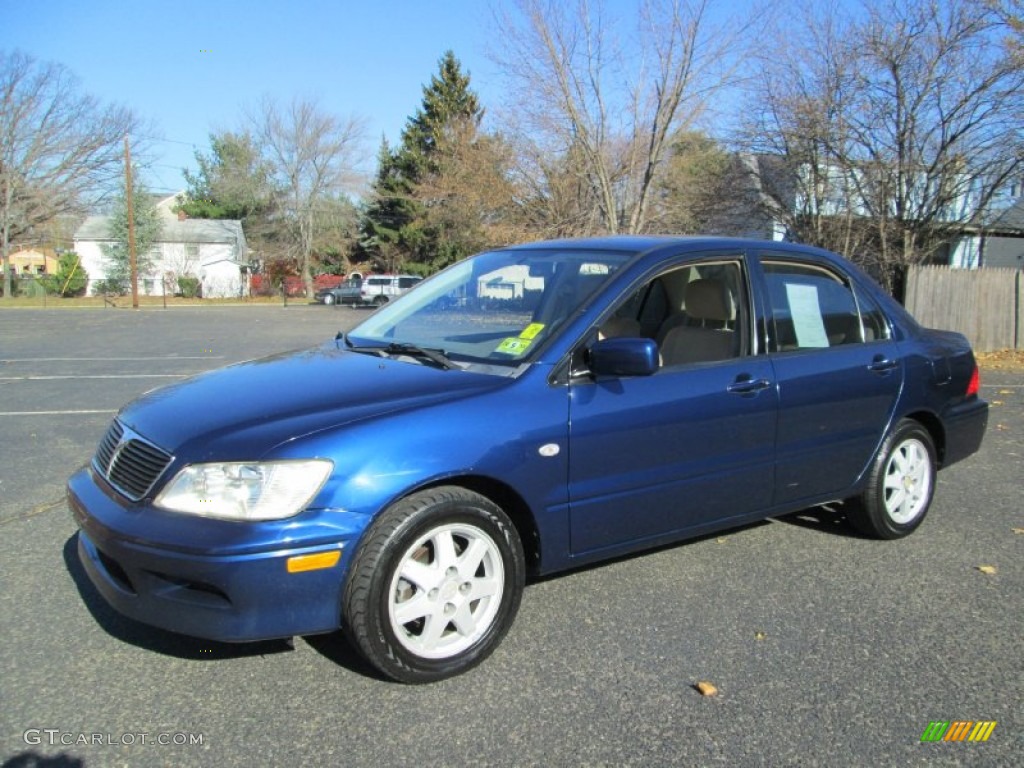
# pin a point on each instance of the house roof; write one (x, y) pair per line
(187, 231)
(1009, 220)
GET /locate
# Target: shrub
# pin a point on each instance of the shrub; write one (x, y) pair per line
(110, 287)
(189, 286)
(69, 280)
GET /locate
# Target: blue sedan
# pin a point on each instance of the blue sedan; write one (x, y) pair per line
(528, 410)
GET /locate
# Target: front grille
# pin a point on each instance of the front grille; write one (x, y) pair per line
(129, 463)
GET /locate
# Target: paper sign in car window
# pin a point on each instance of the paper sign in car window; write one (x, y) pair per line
(531, 331)
(806, 312)
(513, 346)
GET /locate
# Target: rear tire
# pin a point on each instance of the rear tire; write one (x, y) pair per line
(900, 485)
(435, 585)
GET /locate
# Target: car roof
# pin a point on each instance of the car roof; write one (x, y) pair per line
(642, 243)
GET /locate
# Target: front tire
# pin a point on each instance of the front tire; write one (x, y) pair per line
(900, 486)
(329, 299)
(435, 585)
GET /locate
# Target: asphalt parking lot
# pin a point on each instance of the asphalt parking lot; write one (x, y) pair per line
(826, 648)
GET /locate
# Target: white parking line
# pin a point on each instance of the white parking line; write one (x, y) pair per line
(105, 359)
(57, 413)
(101, 376)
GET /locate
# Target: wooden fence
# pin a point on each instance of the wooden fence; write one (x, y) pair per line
(982, 304)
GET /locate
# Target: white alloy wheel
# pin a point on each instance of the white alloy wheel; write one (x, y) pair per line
(446, 591)
(435, 584)
(900, 484)
(908, 478)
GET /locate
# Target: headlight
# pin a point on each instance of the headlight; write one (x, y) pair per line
(268, 490)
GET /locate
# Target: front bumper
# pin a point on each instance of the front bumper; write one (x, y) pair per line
(218, 580)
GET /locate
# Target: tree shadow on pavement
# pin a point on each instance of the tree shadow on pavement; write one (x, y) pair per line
(828, 518)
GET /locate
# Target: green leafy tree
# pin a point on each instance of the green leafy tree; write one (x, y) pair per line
(70, 279)
(396, 225)
(233, 182)
(147, 231)
(390, 212)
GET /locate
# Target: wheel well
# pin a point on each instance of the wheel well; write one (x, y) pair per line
(513, 505)
(934, 426)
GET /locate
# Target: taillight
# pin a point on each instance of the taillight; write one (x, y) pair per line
(974, 385)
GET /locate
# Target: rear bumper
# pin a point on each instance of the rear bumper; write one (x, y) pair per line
(965, 425)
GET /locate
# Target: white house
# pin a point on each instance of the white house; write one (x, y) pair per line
(213, 250)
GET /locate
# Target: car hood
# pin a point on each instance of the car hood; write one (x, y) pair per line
(245, 410)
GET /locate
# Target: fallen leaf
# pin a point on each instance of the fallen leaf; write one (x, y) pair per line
(720, 540)
(1002, 427)
(760, 635)
(1005, 392)
(706, 688)
(1018, 530)
(989, 569)
(996, 402)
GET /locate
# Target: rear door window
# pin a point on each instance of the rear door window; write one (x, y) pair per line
(811, 308)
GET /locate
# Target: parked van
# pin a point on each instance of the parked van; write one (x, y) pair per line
(380, 289)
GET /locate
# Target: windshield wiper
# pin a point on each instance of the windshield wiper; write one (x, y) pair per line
(435, 356)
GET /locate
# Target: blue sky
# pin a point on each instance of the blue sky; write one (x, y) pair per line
(191, 67)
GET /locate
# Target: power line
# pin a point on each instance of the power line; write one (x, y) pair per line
(166, 141)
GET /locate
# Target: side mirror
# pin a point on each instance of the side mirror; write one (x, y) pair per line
(624, 357)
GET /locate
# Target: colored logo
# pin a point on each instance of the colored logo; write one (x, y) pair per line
(958, 730)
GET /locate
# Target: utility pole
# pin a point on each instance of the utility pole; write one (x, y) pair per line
(132, 266)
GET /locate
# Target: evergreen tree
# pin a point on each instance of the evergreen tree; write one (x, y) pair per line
(70, 279)
(394, 225)
(233, 182)
(147, 231)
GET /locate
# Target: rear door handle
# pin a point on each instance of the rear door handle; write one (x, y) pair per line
(882, 364)
(748, 386)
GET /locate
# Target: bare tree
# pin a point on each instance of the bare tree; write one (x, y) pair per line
(557, 201)
(1011, 13)
(604, 108)
(890, 130)
(59, 148)
(796, 126)
(313, 156)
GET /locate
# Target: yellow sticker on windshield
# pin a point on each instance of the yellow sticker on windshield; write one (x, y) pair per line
(513, 346)
(531, 331)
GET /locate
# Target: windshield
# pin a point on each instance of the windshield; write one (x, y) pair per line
(497, 307)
